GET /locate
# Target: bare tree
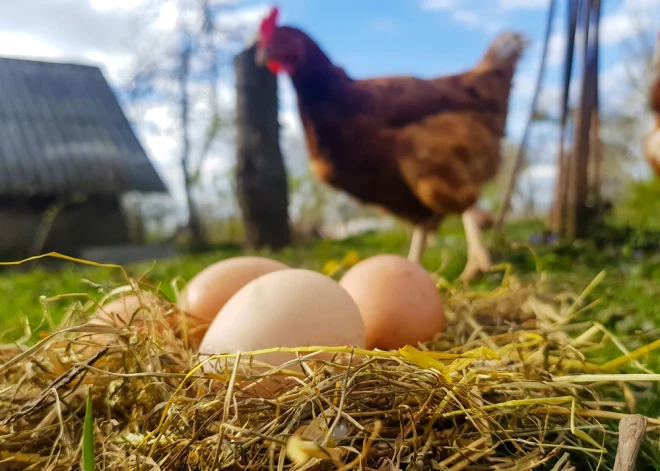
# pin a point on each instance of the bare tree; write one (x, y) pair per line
(183, 72)
(194, 223)
(618, 156)
(639, 50)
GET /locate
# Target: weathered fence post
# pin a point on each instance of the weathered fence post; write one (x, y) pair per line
(632, 430)
(261, 181)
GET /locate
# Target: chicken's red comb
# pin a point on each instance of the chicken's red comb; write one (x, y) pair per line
(268, 24)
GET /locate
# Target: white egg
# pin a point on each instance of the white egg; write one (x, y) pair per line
(287, 308)
(208, 291)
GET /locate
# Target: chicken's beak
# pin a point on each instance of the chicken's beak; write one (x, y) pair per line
(261, 56)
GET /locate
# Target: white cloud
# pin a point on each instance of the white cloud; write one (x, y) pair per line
(525, 83)
(556, 48)
(246, 16)
(465, 11)
(540, 171)
(439, 4)
(108, 5)
(19, 44)
(168, 15)
(631, 19)
(292, 138)
(287, 93)
(613, 78)
(515, 123)
(469, 13)
(523, 4)
(468, 18)
(488, 16)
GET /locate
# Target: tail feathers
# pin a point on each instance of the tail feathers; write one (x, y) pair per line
(506, 49)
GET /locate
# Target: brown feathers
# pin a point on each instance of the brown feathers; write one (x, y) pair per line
(419, 148)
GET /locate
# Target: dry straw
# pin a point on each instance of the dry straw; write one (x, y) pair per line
(514, 385)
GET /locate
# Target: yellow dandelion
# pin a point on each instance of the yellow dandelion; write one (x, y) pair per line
(331, 267)
(351, 258)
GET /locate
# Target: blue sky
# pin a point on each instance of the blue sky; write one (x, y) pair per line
(436, 37)
(372, 37)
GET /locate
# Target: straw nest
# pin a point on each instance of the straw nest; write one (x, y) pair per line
(513, 385)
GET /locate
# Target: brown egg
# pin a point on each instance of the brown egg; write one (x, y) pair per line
(119, 312)
(288, 308)
(399, 302)
(208, 291)
(142, 312)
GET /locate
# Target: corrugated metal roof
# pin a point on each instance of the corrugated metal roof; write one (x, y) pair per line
(63, 131)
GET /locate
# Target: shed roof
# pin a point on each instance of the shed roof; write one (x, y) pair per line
(62, 131)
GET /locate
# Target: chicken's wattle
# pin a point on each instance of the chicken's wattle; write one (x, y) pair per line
(277, 67)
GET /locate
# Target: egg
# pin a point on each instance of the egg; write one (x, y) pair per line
(399, 301)
(141, 312)
(208, 291)
(127, 308)
(288, 308)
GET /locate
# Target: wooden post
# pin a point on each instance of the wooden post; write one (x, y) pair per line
(631, 435)
(579, 216)
(579, 181)
(562, 184)
(596, 158)
(261, 181)
(569, 214)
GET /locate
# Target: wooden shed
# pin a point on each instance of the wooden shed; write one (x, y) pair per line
(67, 155)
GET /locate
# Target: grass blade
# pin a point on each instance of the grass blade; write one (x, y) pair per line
(88, 436)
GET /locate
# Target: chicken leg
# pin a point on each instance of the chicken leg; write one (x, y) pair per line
(478, 258)
(417, 244)
(474, 220)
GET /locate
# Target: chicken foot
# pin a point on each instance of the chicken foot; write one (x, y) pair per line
(478, 258)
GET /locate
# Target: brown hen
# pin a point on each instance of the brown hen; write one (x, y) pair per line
(421, 149)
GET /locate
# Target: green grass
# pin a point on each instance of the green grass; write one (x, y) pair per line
(629, 295)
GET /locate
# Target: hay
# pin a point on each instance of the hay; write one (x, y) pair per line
(514, 385)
